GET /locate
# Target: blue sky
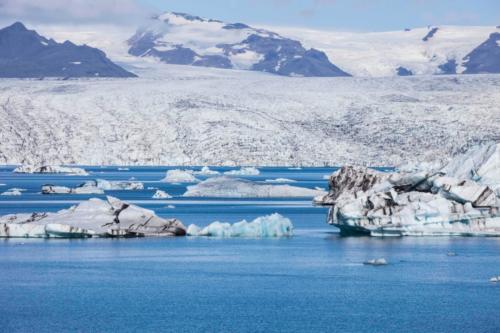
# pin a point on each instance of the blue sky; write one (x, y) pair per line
(364, 15)
(357, 15)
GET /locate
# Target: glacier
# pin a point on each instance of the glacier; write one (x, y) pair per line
(458, 199)
(230, 187)
(184, 116)
(274, 225)
(92, 218)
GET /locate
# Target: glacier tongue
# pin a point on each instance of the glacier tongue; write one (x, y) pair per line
(419, 203)
(274, 225)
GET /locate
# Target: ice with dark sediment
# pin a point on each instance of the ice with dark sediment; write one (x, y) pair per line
(460, 198)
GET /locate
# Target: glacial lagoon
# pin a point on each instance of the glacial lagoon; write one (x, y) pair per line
(313, 281)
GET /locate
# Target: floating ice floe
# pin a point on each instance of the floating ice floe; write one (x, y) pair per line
(274, 225)
(458, 199)
(93, 218)
(51, 169)
(280, 180)
(495, 279)
(159, 194)
(229, 187)
(180, 176)
(205, 171)
(248, 171)
(82, 189)
(12, 192)
(376, 262)
(123, 169)
(114, 185)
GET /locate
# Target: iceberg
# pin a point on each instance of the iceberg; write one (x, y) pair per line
(12, 192)
(457, 199)
(92, 218)
(230, 187)
(114, 185)
(280, 180)
(82, 189)
(180, 176)
(376, 262)
(159, 194)
(51, 169)
(205, 171)
(248, 171)
(274, 225)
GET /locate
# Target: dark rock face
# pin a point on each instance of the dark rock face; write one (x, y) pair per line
(402, 71)
(274, 54)
(449, 67)
(430, 34)
(25, 54)
(485, 58)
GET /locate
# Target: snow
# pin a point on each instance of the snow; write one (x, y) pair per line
(180, 176)
(199, 116)
(159, 194)
(93, 218)
(248, 171)
(274, 225)
(379, 54)
(51, 169)
(230, 187)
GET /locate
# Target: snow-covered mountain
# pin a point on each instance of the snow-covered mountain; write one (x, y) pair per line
(183, 39)
(420, 51)
(26, 54)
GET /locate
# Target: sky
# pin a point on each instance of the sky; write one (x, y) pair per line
(351, 15)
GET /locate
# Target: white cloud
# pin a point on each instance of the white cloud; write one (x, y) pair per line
(77, 11)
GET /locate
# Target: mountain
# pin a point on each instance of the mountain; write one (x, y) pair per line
(420, 51)
(26, 54)
(184, 39)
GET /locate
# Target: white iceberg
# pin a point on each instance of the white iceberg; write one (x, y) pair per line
(51, 169)
(180, 176)
(458, 199)
(159, 194)
(123, 169)
(229, 187)
(376, 262)
(206, 171)
(248, 171)
(12, 192)
(113, 185)
(92, 218)
(82, 189)
(274, 225)
(280, 180)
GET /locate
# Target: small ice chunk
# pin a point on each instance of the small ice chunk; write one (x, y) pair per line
(205, 171)
(123, 169)
(274, 225)
(280, 180)
(51, 169)
(495, 279)
(376, 262)
(180, 176)
(12, 192)
(248, 171)
(159, 194)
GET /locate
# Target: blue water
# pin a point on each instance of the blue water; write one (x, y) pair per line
(314, 281)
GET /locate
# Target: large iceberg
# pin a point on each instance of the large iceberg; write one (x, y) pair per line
(51, 169)
(274, 225)
(114, 185)
(248, 171)
(93, 218)
(180, 176)
(460, 198)
(230, 187)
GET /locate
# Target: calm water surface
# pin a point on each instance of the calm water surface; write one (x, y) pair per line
(314, 281)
